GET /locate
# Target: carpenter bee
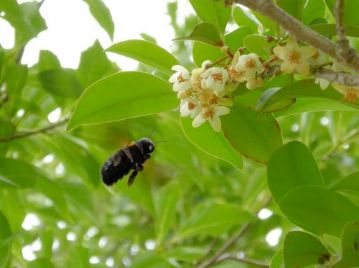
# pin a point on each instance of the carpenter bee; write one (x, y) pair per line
(129, 158)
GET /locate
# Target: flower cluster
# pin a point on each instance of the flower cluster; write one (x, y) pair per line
(203, 93)
(206, 92)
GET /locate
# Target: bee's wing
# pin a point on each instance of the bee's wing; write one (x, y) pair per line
(116, 159)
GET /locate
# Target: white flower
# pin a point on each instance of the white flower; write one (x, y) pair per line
(211, 114)
(294, 57)
(323, 83)
(246, 68)
(181, 79)
(351, 93)
(190, 107)
(215, 78)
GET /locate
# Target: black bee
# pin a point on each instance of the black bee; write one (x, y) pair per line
(129, 158)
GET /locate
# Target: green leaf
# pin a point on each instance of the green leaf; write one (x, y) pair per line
(147, 53)
(212, 219)
(202, 52)
(313, 9)
(25, 18)
(186, 253)
(351, 11)
(60, 82)
(16, 77)
(150, 260)
(48, 61)
(40, 263)
(281, 104)
(348, 184)
(290, 167)
(277, 260)
(329, 30)
(319, 210)
(5, 241)
(102, 14)
(16, 173)
(121, 96)
(350, 246)
(212, 143)
(212, 11)
(293, 7)
(312, 104)
(94, 65)
(242, 19)
(255, 135)
(167, 199)
(302, 249)
(299, 89)
(206, 33)
(234, 39)
(258, 44)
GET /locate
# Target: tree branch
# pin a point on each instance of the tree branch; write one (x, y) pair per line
(338, 77)
(244, 260)
(217, 256)
(21, 135)
(348, 54)
(298, 29)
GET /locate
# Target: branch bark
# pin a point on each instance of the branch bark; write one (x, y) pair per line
(26, 134)
(348, 54)
(244, 260)
(338, 77)
(217, 256)
(298, 29)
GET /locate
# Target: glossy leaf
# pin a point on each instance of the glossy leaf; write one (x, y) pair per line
(242, 18)
(206, 33)
(102, 14)
(290, 167)
(277, 260)
(202, 52)
(166, 204)
(302, 249)
(186, 253)
(350, 246)
(313, 9)
(5, 241)
(16, 173)
(293, 7)
(121, 96)
(255, 135)
(234, 39)
(60, 82)
(319, 210)
(351, 11)
(312, 104)
(94, 65)
(329, 30)
(212, 143)
(147, 53)
(151, 260)
(258, 44)
(213, 12)
(212, 219)
(299, 89)
(348, 184)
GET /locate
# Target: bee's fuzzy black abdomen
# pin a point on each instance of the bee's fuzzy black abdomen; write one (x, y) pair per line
(123, 161)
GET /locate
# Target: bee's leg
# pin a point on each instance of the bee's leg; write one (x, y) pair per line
(128, 154)
(132, 177)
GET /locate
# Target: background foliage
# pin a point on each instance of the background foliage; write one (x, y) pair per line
(197, 198)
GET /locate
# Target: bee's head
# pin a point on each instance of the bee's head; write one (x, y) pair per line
(148, 145)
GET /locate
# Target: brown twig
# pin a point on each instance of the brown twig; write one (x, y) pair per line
(244, 260)
(21, 135)
(217, 256)
(348, 54)
(298, 29)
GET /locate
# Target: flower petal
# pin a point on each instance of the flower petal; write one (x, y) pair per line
(222, 110)
(280, 52)
(302, 68)
(198, 120)
(215, 123)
